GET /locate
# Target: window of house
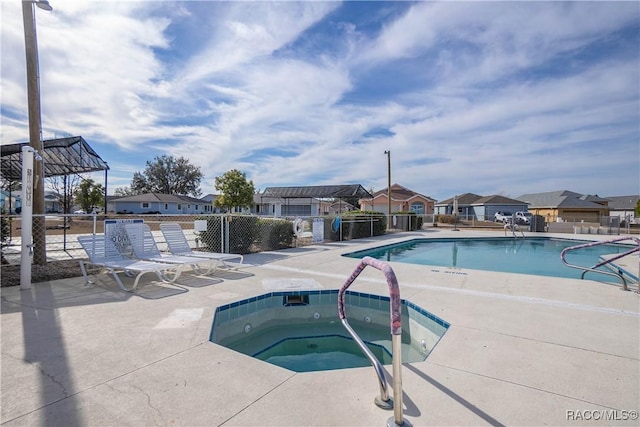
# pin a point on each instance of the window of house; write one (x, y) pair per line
(179, 207)
(145, 205)
(417, 208)
(166, 206)
(197, 207)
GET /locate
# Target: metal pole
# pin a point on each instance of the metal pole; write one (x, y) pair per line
(26, 255)
(388, 153)
(35, 130)
(397, 420)
(106, 172)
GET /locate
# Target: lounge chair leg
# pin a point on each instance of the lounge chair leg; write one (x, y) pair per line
(119, 282)
(83, 268)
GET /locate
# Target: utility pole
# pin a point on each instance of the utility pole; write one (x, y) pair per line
(388, 153)
(35, 128)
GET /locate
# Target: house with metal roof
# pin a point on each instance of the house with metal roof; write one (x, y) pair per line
(565, 205)
(624, 207)
(482, 208)
(159, 203)
(402, 200)
(308, 200)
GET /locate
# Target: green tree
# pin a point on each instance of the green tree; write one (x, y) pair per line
(236, 191)
(168, 175)
(89, 195)
(638, 208)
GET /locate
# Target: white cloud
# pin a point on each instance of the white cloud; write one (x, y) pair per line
(502, 88)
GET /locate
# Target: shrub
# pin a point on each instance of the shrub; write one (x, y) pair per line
(274, 234)
(448, 219)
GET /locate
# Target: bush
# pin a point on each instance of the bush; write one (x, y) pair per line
(274, 234)
(448, 219)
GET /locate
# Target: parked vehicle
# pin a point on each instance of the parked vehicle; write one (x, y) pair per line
(523, 218)
(502, 216)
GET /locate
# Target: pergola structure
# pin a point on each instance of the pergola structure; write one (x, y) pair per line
(61, 157)
(339, 192)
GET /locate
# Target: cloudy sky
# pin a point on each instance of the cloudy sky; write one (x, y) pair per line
(484, 97)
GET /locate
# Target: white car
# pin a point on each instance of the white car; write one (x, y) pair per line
(523, 217)
(80, 211)
(502, 216)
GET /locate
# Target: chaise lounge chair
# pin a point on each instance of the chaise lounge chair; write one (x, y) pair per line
(145, 248)
(178, 245)
(103, 253)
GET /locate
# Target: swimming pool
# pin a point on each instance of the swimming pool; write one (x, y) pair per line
(532, 255)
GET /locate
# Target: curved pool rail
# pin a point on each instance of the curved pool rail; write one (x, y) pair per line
(605, 262)
(383, 400)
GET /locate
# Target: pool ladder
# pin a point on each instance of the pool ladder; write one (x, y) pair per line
(619, 274)
(512, 226)
(383, 401)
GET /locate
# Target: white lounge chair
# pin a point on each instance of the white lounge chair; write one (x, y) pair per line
(179, 245)
(103, 253)
(144, 247)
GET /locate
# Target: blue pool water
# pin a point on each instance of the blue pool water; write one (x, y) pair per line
(320, 353)
(539, 255)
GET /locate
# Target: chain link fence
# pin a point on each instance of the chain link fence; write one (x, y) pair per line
(244, 234)
(228, 233)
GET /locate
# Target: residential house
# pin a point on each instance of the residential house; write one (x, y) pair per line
(482, 208)
(9, 201)
(402, 200)
(565, 205)
(464, 202)
(159, 203)
(53, 202)
(624, 207)
(211, 199)
(276, 206)
(307, 200)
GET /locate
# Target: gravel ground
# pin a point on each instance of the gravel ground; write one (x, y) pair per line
(54, 270)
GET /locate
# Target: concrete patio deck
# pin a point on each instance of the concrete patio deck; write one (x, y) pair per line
(521, 350)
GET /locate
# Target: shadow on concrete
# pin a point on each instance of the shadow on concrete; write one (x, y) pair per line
(44, 347)
(452, 394)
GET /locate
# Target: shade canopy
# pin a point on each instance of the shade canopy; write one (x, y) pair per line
(62, 156)
(318, 192)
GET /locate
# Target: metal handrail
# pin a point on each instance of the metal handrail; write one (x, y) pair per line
(383, 400)
(511, 225)
(600, 264)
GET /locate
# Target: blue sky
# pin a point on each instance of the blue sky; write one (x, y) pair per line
(484, 97)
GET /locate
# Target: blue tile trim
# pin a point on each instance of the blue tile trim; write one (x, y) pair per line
(275, 299)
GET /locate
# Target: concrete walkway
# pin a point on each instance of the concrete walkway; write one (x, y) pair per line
(521, 350)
